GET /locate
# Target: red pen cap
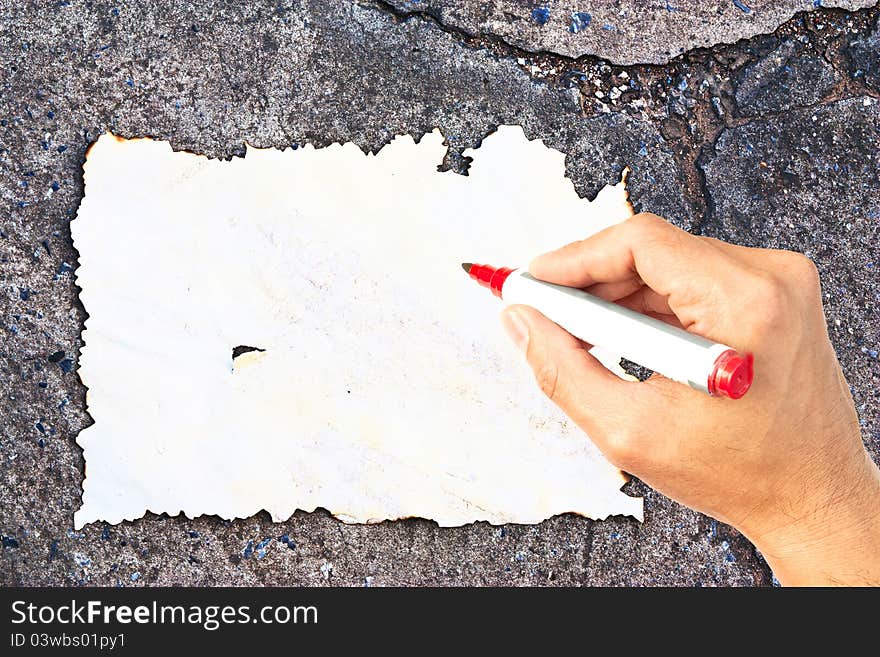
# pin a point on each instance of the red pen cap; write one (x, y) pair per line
(732, 375)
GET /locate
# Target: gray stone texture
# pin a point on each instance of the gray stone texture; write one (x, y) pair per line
(809, 181)
(788, 77)
(864, 57)
(620, 31)
(769, 164)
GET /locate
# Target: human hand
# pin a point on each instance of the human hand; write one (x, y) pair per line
(785, 464)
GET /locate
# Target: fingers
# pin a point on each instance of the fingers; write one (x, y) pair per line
(634, 295)
(595, 398)
(617, 289)
(644, 246)
(688, 276)
(646, 301)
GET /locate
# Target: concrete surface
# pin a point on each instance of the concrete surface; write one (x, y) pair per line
(785, 159)
(620, 31)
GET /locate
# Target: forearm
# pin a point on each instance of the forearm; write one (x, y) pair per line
(831, 540)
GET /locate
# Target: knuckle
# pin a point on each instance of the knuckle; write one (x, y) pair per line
(769, 295)
(801, 269)
(646, 222)
(765, 288)
(652, 229)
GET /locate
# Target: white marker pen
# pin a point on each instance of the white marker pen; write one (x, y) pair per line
(713, 368)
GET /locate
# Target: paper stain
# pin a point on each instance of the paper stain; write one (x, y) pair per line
(385, 389)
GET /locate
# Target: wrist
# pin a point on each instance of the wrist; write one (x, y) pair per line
(826, 534)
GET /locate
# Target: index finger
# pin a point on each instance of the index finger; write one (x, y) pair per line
(667, 259)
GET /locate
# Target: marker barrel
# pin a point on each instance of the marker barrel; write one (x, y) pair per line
(710, 367)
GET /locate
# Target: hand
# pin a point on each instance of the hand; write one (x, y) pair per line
(785, 464)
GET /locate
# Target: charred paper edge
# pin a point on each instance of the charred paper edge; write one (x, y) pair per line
(338, 515)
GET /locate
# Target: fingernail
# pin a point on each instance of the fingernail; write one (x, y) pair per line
(516, 328)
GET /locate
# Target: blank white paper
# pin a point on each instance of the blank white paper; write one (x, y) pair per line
(385, 387)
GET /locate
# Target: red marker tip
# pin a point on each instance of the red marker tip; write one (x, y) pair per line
(488, 276)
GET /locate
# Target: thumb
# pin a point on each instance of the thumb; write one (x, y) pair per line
(596, 399)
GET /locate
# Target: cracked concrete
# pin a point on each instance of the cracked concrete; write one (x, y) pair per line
(785, 159)
(622, 32)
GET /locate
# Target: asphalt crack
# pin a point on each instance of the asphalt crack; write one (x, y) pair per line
(483, 40)
(692, 97)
